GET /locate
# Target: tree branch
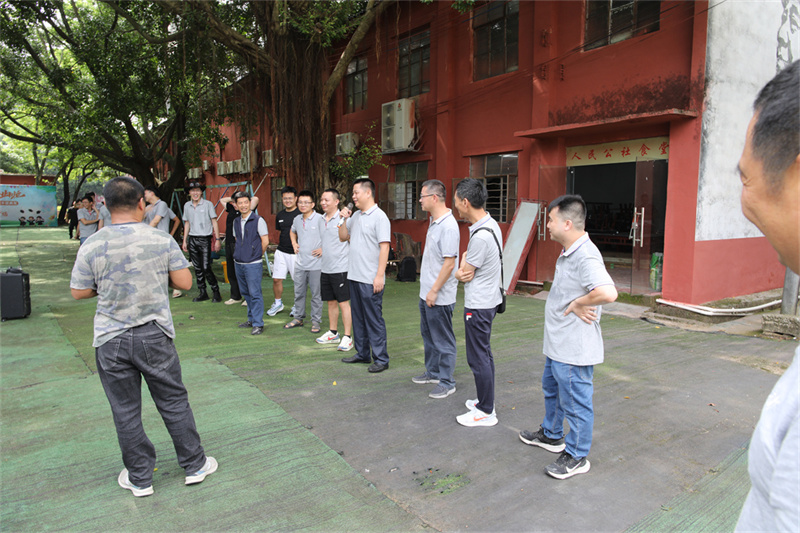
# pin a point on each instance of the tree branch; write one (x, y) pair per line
(374, 8)
(114, 4)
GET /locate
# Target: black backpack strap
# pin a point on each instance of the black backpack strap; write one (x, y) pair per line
(499, 250)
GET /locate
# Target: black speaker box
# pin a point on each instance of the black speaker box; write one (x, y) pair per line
(15, 294)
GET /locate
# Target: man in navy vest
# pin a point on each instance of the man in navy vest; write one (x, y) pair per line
(250, 231)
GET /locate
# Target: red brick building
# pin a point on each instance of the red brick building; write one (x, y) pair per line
(616, 101)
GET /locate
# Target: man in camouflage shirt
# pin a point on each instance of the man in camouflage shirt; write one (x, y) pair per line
(128, 266)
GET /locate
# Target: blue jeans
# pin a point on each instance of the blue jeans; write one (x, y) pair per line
(436, 326)
(369, 328)
(249, 278)
(568, 392)
(478, 336)
(121, 362)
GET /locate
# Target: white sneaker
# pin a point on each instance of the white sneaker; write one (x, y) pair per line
(471, 404)
(328, 338)
(231, 301)
(346, 345)
(244, 303)
(125, 483)
(209, 468)
(476, 417)
(275, 308)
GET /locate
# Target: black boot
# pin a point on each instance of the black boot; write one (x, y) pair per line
(216, 297)
(202, 297)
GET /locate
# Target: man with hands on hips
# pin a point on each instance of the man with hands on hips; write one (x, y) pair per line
(573, 341)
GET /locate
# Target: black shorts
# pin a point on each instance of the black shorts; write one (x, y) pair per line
(335, 287)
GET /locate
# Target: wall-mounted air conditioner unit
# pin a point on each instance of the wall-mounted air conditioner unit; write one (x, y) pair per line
(248, 156)
(220, 168)
(205, 165)
(237, 166)
(267, 158)
(346, 143)
(397, 126)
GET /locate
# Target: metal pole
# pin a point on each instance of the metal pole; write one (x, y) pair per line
(791, 288)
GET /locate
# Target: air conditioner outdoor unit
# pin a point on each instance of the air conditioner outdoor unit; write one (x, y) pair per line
(346, 143)
(267, 158)
(237, 166)
(248, 156)
(226, 168)
(205, 165)
(220, 168)
(397, 126)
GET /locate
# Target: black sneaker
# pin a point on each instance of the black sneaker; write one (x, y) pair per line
(247, 324)
(539, 439)
(567, 466)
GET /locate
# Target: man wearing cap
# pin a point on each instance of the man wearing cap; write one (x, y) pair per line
(199, 221)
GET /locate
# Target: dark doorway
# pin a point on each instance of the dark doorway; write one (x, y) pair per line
(626, 207)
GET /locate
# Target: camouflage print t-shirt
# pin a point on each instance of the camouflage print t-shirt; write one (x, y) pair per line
(128, 265)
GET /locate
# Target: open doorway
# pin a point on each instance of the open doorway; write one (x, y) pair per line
(626, 207)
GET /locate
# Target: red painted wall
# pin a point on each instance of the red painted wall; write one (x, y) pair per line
(25, 179)
(557, 84)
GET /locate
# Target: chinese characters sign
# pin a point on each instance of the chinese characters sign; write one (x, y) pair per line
(28, 205)
(618, 152)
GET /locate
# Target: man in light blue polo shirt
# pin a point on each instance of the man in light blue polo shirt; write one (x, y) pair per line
(437, 291)
(335, 288)
(480, 271)
(369, 232)
(307, 243)
(573, 342)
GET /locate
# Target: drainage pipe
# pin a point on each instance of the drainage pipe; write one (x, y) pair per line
(710, 311)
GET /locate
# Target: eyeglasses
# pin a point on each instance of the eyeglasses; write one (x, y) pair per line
(304, 203)
(421, 196)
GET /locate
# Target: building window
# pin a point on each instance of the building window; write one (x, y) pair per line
(356, 85)
(277, 203)
(612, 21)
(402, 196)
(499, 173)
(495, 29)
(414, 73)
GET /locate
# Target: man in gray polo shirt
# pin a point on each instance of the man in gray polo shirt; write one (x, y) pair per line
(88, 218)
(307, 243)
(199, 221)
(480, 271)
(369, 232)
(158, 215)
(437, 291)
(573, 342)
(335, 288)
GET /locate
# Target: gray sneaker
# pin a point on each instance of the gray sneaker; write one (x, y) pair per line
(538, 438)
(424, 379)
(441, 391)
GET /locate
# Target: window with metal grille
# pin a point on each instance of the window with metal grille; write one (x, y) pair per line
(612, 21)
(277, 185)
(356, 85)
(401, 198)
(495, 30)
(499, 173)
(414, 65)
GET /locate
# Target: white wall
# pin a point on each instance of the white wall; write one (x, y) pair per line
(741, 58)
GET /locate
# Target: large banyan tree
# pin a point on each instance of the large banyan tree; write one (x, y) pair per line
(285, 72)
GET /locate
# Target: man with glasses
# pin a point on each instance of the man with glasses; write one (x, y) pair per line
(437, 291)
